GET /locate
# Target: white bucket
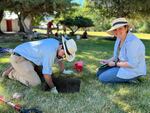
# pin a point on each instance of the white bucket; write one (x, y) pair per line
(78, 37)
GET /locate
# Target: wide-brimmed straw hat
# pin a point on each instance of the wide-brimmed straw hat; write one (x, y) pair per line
(70, 48)
(117, 23)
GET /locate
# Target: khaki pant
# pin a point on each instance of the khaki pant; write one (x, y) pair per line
(23, 71)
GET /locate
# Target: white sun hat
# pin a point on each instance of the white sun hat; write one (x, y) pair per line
(70, 48)
(117, 23)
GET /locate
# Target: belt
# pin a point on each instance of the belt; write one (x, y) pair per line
(14, 53)
(17, 54)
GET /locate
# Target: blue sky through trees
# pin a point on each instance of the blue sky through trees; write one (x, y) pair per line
(79, 1)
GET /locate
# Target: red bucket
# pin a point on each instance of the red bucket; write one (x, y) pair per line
(78, 66)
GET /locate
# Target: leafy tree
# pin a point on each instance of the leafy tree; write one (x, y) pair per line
(33, 8)
(98, 15)
(103, 11)
(76, 23)
(121, 8)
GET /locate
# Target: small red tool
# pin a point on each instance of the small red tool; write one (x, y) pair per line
(78, 66)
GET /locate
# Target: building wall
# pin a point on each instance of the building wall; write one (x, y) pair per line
(15, 26)
(3, 25)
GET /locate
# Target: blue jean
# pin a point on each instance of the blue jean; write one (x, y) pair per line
(109, 75)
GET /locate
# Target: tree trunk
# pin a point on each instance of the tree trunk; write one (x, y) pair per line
(20, 25)
(23, 26)
(72, 31)
(1, 17)
(76, 29)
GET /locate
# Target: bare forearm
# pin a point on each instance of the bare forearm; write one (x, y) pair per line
(118, 64)
(61, 66)
(123, 64)
(48, 80)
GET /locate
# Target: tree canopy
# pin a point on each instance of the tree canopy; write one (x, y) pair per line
(121, 8)
(76, 23)
(100, 11)
(33, 8)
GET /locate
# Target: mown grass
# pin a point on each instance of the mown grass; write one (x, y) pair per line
(94, 97)
(99, 34)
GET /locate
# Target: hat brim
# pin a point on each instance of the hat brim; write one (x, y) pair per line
(110, 31)
(68, 57)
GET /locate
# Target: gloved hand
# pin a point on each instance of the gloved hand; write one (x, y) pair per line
(68, 72)
(54, 90)
(17, 95)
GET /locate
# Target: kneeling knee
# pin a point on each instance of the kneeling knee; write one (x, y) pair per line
(35, 83)
(103, 79)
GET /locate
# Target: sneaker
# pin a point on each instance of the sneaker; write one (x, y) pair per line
(54, 90)
(17, 95)
(7, 71)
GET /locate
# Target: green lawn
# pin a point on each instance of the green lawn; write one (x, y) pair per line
(94, 97)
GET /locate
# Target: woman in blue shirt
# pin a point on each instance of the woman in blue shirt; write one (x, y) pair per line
(128, 61)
